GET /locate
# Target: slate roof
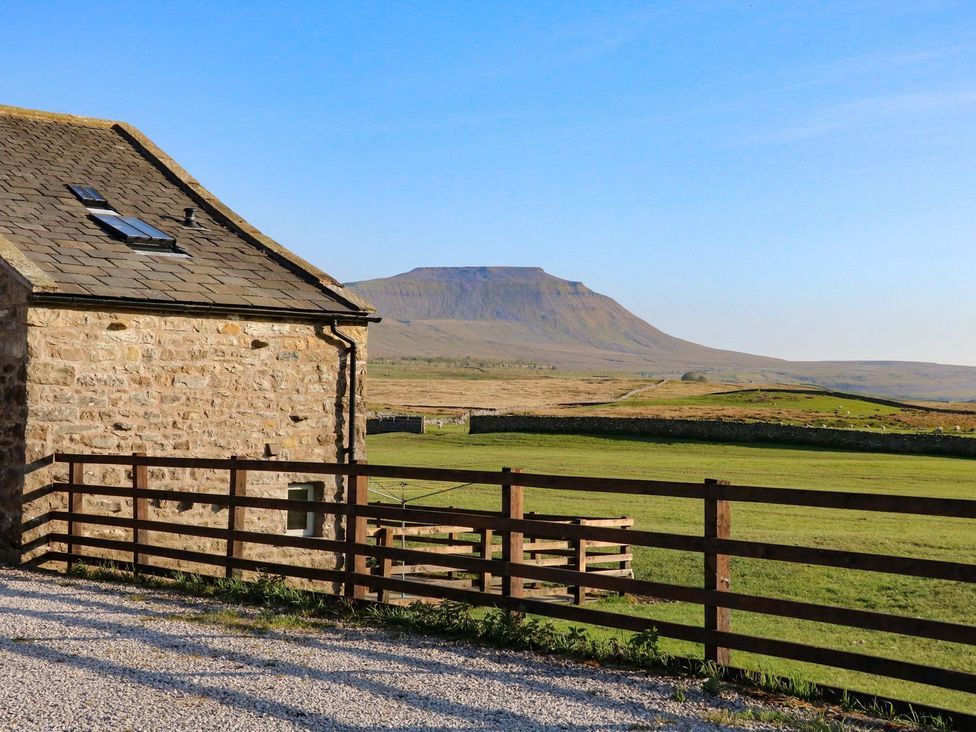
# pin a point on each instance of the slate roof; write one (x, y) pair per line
(48, 236)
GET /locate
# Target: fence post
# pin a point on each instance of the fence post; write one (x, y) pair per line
(512, 508)
(76, 476)
(718, 525)
(487, 552)
(356, 495)
(235, 519)
(627, 564)
(384, 568)
(531, 555)
(579, 547)
(140, 481)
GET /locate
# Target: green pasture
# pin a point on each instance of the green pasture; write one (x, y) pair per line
(936, 538)
(767, 400)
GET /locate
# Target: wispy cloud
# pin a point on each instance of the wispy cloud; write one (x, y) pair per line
(866, 112)
(870, 64)
(581, 41)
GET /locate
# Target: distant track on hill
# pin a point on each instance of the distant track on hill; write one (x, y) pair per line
(640, 390)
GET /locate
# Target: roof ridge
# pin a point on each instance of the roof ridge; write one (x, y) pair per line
(72, 119)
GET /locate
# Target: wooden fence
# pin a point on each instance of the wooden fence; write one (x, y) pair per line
(611, 558)
(513, 526)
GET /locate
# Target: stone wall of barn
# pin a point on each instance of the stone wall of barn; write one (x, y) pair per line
(189, 386)
(13, 407)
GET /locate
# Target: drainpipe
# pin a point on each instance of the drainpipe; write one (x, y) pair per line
(350, 451)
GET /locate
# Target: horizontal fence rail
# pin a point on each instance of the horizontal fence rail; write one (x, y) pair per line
(460, 546)
(922, 506)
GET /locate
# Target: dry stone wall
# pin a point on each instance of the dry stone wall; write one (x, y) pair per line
(395, 423)
(188, 386)
(717, 431)
(13, 380)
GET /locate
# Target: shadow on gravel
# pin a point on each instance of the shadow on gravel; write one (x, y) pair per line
(360, 670)
(532, 672)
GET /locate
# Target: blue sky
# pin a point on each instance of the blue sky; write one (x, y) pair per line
(796, 179)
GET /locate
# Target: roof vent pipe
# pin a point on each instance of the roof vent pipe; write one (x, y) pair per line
(190, 216)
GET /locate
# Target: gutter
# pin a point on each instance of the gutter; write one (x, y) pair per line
(179, 308)
(350, 451)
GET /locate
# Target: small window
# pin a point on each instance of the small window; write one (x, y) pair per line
(137, 232)
(89, 196)
(300, 521)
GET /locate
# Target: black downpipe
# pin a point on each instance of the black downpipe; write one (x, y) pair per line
(350, 451)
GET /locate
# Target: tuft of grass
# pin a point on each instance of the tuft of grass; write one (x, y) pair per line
(514, 630)
(654, 723)
(791, 721)
(712, 685)
(267, 590)
(720, 717)
(788, 685)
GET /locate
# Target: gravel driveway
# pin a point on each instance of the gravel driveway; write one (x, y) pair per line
(83, 655)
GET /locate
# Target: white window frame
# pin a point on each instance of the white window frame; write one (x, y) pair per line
(309, 529)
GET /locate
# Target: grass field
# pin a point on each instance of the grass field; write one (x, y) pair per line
(763, 401)
(771, 466)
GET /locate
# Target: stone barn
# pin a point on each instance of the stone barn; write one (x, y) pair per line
(140, 314)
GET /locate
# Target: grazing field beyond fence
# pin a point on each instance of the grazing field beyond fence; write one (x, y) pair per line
(367, 567)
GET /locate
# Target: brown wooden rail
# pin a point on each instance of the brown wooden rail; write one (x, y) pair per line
(602, 557)
(512, 525)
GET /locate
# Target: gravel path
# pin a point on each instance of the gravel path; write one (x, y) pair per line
(84, 655)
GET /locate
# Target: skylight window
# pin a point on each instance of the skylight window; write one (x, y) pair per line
(89, 196)
(137, 232)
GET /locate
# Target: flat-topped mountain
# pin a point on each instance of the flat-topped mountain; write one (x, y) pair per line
(523, 314)
(533, 309)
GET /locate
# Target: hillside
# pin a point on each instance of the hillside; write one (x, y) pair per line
(523, 314)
